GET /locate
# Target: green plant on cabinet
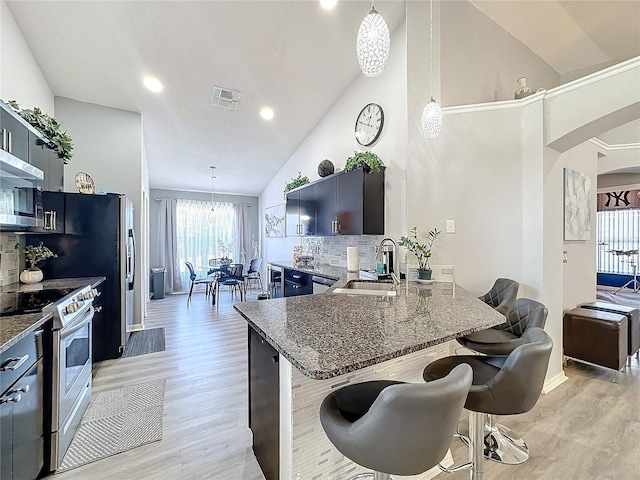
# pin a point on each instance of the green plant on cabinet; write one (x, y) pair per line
(296, 182)
(59, 141)
(369, 161)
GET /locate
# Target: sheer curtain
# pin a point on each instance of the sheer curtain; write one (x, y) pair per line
(202, 235)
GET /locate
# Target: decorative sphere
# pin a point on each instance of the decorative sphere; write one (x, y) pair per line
(325, 168)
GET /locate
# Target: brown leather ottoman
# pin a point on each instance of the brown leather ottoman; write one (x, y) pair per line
(633, 321)
(596, 337)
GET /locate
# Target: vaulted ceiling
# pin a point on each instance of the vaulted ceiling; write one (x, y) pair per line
(291, 55)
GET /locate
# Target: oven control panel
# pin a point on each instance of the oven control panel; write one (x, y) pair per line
(70, 306)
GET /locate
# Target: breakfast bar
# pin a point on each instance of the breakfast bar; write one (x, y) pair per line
(301, 348)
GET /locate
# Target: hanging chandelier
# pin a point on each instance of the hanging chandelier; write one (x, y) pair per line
(432, 114)
(212, 213)
(373, 43)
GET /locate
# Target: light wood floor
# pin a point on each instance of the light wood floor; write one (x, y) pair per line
(587, 428)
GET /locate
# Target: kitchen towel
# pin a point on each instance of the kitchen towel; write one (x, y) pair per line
(352, 259)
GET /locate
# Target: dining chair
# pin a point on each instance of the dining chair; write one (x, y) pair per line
(208, 282)
(254, 274)
(231, 276)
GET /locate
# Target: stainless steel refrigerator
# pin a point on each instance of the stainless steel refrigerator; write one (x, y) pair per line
(93, 235)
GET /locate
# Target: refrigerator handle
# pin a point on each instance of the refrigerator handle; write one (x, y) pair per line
(132, 259)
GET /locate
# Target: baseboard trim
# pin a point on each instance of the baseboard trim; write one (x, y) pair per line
(552, 383)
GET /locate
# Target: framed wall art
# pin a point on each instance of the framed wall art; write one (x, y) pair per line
(577, 205)
(274, 218)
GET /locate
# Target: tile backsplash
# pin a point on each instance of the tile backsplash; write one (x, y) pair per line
(8, 258)
(333, 250)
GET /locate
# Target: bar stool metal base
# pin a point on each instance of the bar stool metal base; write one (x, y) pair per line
(501, 444)
(374, 475)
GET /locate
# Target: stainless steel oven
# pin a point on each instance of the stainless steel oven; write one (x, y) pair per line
(71, 367)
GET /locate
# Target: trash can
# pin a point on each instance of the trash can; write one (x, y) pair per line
(157, 282)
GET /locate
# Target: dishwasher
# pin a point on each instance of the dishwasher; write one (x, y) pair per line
(321, 284)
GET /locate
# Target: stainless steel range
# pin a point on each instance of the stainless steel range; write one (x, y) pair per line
(71, 367)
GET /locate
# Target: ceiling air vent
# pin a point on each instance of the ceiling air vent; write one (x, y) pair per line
(222, 97)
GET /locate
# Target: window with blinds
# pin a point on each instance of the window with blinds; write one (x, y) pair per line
(618, 232)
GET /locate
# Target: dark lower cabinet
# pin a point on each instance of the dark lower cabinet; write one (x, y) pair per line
(22, 417)
(264, 404)
(98, 351)
(297, 283)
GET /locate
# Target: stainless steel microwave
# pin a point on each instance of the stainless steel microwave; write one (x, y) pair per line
(20, 193)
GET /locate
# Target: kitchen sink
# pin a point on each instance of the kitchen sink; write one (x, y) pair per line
(355, 287)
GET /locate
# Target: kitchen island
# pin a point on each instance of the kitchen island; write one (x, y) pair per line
(300, 348)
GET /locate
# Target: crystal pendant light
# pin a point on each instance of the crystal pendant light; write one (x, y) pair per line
(372, 45)
(212, 213)
(432, 114)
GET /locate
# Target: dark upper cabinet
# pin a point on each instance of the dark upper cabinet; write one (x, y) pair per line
(347, 203)
(53, 206)
(15, 136)
(326, 207)
(301, 211)
(46, 160)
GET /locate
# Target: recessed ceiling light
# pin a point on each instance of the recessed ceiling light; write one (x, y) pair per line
(266, 113)
(152, 83)
(328, 4)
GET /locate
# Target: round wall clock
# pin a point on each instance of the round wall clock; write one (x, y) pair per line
(369, 124)
(85, 183)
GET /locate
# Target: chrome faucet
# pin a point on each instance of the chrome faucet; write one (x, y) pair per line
(395, 270)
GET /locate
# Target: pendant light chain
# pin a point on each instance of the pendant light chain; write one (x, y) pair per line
(431, 46)
(432, 114)
(212, 212)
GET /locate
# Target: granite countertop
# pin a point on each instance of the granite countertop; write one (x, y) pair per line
(329, 334)
(14, 328)
(55, 284)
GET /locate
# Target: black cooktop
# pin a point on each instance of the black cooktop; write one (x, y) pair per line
(20, 303)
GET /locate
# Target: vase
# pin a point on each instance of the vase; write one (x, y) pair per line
(523, 90)
(31, 276)
(424, 274)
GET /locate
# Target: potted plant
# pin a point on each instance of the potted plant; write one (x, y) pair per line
(368, 161)
(296, 182)
(49, 127)
(34, 254)
(422, 251)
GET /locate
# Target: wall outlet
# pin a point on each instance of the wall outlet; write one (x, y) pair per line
(451, 226)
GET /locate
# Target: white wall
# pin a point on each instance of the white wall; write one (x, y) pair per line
(107, 146)
(20, 76)
(580, 269)
(481, 62)
(333, 139)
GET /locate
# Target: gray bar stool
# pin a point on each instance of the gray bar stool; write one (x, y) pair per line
(393, 427)
(501, 444)
(502, 295)
(502, 385)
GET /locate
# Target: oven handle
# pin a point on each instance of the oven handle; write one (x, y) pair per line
(88, 317)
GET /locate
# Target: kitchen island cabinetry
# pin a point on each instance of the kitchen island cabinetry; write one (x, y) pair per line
(330, 340)
(264, 403)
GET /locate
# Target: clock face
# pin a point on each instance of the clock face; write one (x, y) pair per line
(369, 124)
